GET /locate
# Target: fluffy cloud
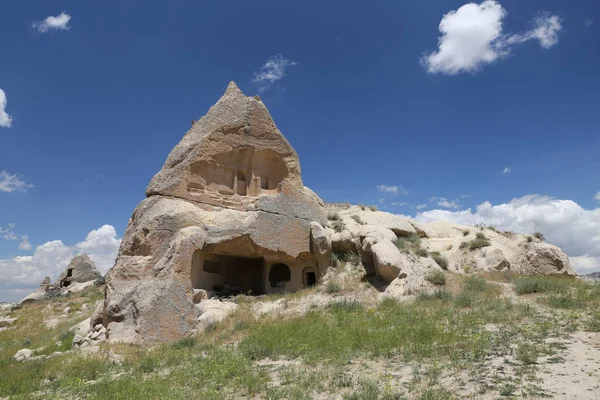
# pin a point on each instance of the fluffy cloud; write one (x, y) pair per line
(60, 22)
(563, 223)
(273, 71)
(5, 119)
(421, 206)
(473, 36)
(597, 197)
(20, 273)
(12, 183)
(506, 171)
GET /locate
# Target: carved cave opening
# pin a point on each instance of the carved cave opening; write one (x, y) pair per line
(227, 275)
(279, 275)
(309, 277)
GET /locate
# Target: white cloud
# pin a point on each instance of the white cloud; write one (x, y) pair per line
(5, 119)
(273, 71)
(563, 223)
(597, 197)
(506, 171)
(545, 30)
(392, 189)
(8, 232)
(60, 22)
(587, 22)
(444, 202)
(12, 183)
(50, 259)
(388, 189)
(421, 206)
(400, 203)
(472, 37)
(25, 245)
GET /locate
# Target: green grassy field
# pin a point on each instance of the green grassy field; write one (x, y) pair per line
(468, 328)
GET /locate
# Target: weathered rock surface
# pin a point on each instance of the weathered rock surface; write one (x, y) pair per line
(6, 322)
(23, 355)
(372, 235)
(81, 269)
(228, 213)
(79, 274)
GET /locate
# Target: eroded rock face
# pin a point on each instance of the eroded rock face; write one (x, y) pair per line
(228, 213)
(372, 234)
(81, 269)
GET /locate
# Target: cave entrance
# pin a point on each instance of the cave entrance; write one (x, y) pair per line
(279, 275)
(309, 277)
(227, 275)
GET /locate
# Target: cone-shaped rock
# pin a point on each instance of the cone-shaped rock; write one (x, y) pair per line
(228, 213)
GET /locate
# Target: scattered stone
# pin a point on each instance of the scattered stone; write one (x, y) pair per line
(23, 355)
(6, 322)
(67, 311)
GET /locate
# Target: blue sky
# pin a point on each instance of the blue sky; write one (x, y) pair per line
(97, 96)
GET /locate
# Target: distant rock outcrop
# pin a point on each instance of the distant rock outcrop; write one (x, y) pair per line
(79, 274)
(593, 277)
(438, 245)
(228, 213)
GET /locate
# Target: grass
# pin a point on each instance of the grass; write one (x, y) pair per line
(444, 330)
(333, 216)
(440, 260)
(438, 278)
(539, 236)
(338, 226)
(357, 219)
(479, 242)
(345, 257)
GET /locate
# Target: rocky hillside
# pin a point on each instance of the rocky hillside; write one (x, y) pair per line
(402, 251)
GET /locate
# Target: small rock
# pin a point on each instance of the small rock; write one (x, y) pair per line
(6, 322)
(199, 295)
(98, 327)
(67, 311)
(95, 335)
(77, 339)
(23, 355)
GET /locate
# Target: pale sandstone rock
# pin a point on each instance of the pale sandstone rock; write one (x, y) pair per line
(388, 261)
(228, 213)
(214, 312)
(23, 355)
(81, 269)
(82, 328)
(6, 322)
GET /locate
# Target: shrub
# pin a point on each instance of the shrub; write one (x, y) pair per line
(333, 287)
(373, 208)
(439, 294)
(438, 278)
(333, 216)
(357, 219)
(464, 245)
(464, 299)
(347, 257)
(479, 242)
(440, 260)
(539, 235)
(529, 239)
(421, 252)
(466, 232)
(338, 226)
(466, 268)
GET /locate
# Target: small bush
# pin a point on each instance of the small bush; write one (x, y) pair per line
(373, 208)
(440, 260)
(333, 287)
(466, 232)
(480, 235)
(338, 226)
(529, 239)
(464, 299)
(466, 268)
(333, 216)
(464, 245)
(438, 278)
(357, 219)
(421, 252)
(479, 242)
(346, 257)
(539, 235)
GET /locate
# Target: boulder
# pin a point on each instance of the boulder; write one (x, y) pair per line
(6, 322)
(388, 261)
(23, 355)
(228, 213)
(214, 312)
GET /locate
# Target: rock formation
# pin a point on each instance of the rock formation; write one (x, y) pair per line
(228, 213)
(373, 234)
(81, 269)
(80, 273)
